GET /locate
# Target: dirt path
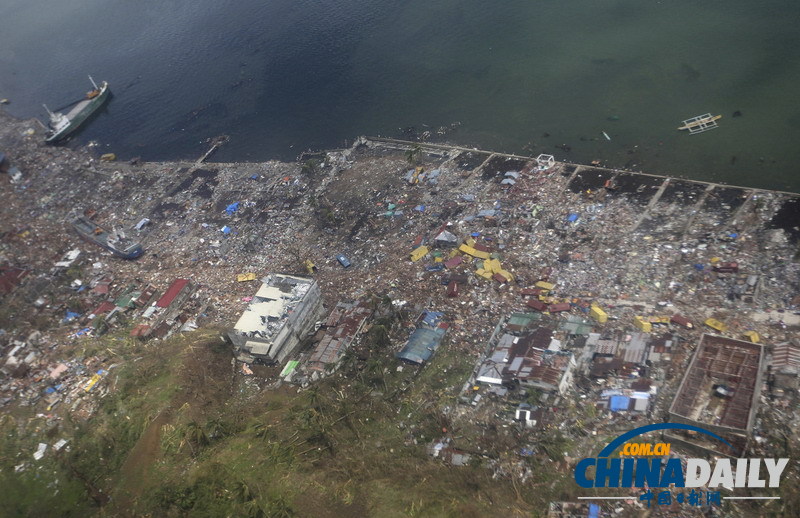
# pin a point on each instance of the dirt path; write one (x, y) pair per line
(133, 474)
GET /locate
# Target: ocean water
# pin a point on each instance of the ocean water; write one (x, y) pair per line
(522, 76)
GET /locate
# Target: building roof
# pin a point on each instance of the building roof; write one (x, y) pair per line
(525, 359)
(344, 323)
(104, 307)
(634, 350)
(425, 339)
(172, 292)
(271, 306)
(786, 357)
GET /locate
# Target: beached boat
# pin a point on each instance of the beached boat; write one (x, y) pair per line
(115, 242)
(700, 123)
(62, 124)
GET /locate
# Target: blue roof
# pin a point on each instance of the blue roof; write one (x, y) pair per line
(425, 339)
(421, 345)
(618, 403)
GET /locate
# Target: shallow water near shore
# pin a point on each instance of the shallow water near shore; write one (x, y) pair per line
(526, 77)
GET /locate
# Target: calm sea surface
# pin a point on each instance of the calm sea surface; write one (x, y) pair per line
(524, 76)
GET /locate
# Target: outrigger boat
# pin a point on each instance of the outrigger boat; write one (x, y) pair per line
(62, 125)
(700, 123)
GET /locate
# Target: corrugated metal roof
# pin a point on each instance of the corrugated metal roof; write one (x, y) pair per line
(172, 292)
(425, 339)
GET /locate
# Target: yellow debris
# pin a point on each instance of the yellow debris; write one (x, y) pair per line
(545, 285)
(483, 273)
(474, 253)
(419, 253)
(492, 265)
(438, 260)
(715, 260)
(92, 382)
(713, 323)
(659, 320)
(642, 324)
(108, 157)
(245, 277)
(311, 267)
(598, 314)
(753, 336)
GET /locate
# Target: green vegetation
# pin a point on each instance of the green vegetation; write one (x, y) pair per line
(180, 435)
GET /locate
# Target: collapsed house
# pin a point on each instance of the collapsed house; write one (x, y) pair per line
(344, 323)
(279, 316)
(533, 359)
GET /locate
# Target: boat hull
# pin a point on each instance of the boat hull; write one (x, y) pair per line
(79, 113)
(95, 234)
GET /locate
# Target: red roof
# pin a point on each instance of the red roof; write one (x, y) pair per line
(104, 307)
(681, 320)
(452, 289)
(172, 292)
(499, 278)
(555, 308)
(455, 261)
(538, 305)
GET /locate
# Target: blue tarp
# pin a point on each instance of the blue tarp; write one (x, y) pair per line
(619, 403)
(70, 315)
(420, 208)
(233, 207)
(572, 217)
(699, 267)
(594, 511)
(225, 230)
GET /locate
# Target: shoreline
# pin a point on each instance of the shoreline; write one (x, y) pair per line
(405, 145)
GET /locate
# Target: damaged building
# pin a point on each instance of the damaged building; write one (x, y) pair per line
(344, 323)
(425, 339)
(720, 392)
(533, 359)
(279, 316)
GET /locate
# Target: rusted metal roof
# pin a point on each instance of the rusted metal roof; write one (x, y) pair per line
(104, 307)
(538, 305)
(172, 292)
(452, 289)
(455, 261)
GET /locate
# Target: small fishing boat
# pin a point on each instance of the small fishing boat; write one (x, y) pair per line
(700, 123)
